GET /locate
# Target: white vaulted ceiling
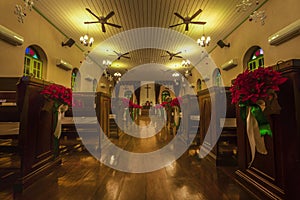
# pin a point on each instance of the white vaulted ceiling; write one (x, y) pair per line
(68, 16)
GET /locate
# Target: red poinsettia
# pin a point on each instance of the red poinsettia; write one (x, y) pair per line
(58, 93)
(172, 102)
(130, 104)
(251, 86)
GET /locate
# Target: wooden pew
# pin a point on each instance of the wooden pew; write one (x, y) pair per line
(36, 139)
(9, 130)
(277, 174)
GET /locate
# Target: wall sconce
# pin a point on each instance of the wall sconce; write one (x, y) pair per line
(221, 44)
(68, 43)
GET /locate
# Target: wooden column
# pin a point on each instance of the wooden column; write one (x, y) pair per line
(224, 150)
(277, 174)
(103, 107)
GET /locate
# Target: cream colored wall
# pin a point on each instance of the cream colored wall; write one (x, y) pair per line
(36, 31)
(279, 14)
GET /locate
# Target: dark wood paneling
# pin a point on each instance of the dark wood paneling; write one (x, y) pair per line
(210, 124)
(103, 102)
(35, 134)
(8, 83)
(277, 174)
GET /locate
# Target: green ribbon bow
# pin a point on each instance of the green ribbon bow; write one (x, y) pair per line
(263, 124)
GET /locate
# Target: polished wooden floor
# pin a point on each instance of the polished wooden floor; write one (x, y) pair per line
(83, 177)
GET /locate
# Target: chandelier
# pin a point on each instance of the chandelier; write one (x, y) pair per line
(117, 74)
(258, 16)
(106, 63)
(186, 63)
(175, 74)
(86, 41)
(245, 4)
(20, 11)
(203, 41)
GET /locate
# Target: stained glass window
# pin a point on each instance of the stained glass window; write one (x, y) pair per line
(74, 81)
(164, 95)
(257, 60)
(33, 66)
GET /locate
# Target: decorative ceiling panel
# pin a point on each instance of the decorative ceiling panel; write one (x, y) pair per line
(68, 16)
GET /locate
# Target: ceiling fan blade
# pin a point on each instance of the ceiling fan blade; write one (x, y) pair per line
(170, 57)
(103, 28)
(114, 25)
(92, 13)
(196, 14)
(186, 27)
(109, 15)
(125, 53)
(178, 56)
(177, 53)
(116, 52)
(168, 52)
(175, 25)
(126, 57)
(91, 22)
(178, 15)
(198, 23)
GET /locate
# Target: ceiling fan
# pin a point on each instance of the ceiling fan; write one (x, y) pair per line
(120, 55)
(103, 20)
(173, 55)
(188, 20)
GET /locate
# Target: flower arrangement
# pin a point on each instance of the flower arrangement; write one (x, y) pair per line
(130, 104)
(171, 102)
(251, 86)
(62, 98)
(58, 93)
(251, 90)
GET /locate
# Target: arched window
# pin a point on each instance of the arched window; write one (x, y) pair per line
(33, 65)
(75, 79)
(217, 77)
(128, 94)
(95, 85)
(164, 95)
(256, 60)
(199, 85)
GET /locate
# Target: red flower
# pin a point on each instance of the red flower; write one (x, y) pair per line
(130, 104)
(251, 86)
(58, 93)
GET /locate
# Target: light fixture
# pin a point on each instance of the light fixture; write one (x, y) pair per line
(175, 74)
(245, 4)
(258, 16)
(68, 43)
(203, 41)
(221, 44)
(186, 63)
(20, 11)
(106, 63)
(188, 73)
(86, 41)
(117, 74)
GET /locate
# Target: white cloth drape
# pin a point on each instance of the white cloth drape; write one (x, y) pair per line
(61, 110)
(256, 141)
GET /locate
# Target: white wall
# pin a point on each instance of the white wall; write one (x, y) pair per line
(279, 14)
(36, 31)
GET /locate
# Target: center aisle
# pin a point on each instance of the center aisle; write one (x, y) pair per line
(83, 177)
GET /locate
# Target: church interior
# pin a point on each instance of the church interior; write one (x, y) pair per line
(149, 99)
